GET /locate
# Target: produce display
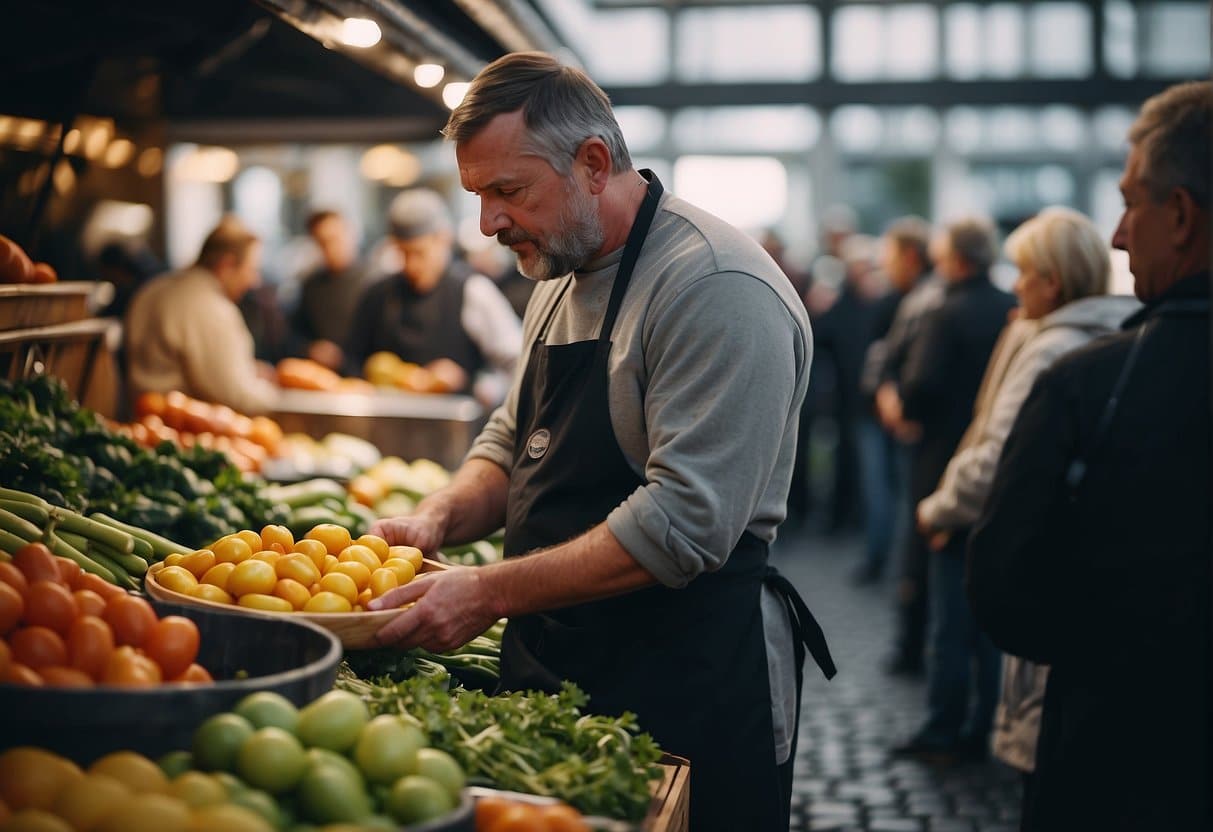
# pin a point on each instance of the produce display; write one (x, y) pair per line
(64, 453)
(17, 267)
(502, 814)
(326, 571)
(386, 369)
(305, 374)
(319, 501)
(63, 627)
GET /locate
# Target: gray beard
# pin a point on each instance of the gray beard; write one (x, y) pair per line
(578, 239)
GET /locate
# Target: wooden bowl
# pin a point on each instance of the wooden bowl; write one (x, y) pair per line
(355, 630)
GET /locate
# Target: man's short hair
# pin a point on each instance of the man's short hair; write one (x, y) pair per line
(560, 106)
(913, 233)
(1064, 244)
(974, 240)
(1173, 134)
(418, 212)
(316, 217)
(230, 237)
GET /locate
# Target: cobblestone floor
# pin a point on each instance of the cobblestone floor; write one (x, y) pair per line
(846, 780)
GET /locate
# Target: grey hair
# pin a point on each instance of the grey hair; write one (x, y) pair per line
(560, 105)
(1172, 132)
(976, 241)
(1062, 243)
(912, 233)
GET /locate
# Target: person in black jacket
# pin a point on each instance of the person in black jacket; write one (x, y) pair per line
(938, 389)
(1093, 552)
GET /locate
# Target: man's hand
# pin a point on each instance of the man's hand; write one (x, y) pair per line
(450, 608)
(936, 539)
(888, 405)
(424, 529)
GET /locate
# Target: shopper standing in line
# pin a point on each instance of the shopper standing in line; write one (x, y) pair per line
(1093, 552)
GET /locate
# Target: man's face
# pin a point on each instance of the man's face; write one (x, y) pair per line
(336, 243)
(1143, 233)
(241, 276)
(549, 221)
(425, 259)
(948, 264)
(899, 264)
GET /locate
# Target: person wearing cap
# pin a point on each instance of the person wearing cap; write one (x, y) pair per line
(437, 312)
(641, 461)
(184, 330)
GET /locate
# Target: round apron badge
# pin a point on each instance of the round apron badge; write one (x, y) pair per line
(537, 445)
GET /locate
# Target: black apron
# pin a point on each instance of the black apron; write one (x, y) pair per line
(690, 663)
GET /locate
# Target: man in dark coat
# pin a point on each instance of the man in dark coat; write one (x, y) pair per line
(938, 389)
(1093, 554)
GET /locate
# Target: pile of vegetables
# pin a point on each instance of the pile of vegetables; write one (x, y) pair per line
(52, 447)
(527, 742)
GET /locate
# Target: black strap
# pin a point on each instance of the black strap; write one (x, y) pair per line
(631, 252)
(805, 629)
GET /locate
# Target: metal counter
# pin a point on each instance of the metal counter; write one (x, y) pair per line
(407, 425)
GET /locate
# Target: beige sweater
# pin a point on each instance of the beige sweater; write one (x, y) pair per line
(183, 333)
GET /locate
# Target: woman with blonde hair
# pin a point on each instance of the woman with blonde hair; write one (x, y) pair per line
(1064, 267)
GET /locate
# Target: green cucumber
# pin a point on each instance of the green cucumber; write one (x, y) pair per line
(23, 497)
(65, 550)
(121, 577)
(117, 539)
(132, 564)
(19, 526)
(29, 511)
(162, 547)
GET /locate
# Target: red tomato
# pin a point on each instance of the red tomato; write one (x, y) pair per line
(65, 677)
(68, 570)
(195, 674)
(559, 817)
(129, 668)
(12, 607)
(37, 647)
(36, 562)
(89, 602)
(19, 674)
(130, 618)
(87, 580)
(89, 646)
(50, 604)
(173, 644)
(14, 577)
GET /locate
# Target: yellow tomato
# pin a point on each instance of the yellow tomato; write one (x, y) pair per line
(174, 559)
(252, 539)
(210, 592)
(376, 544)
(299, 567)
(232, 550)
(404, 570)
(358, 571)
(328, 602)
(341, 584)
(176, 578)
(364, 598)
(218, 574)
(334, 537)
(329, 562)
(252, 576)
(314, 549)
(293, 592)
(270, 603)
(270, 556)
(356, 553)
(278, 534)
(383, 580)
(410, 553)
(199, 562)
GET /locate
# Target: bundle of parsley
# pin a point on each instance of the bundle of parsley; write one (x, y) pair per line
(528, 742)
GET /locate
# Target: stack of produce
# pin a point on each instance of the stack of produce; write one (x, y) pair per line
(386, 369)
(303, 505)
(326, 571)
(52, 447)
(340, 453)
(305, 374)
(63, 627)
(17, 267)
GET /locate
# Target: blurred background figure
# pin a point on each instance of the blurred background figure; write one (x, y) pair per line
(495, 262)
(127, 268)
(329, 294)
(938, 389)
(184, 330)
(883, 459)
(437, 312)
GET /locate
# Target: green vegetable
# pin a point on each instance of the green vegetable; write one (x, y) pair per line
(19, 526)
(116, 539)
(133, 565)
(121, 577)
(161, 547)
(30, 511)
(88, 564)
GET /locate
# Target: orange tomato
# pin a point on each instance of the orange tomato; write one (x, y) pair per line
(99, 585)
(489, 809)
(520, 817)
(65, 677)
(89, 645)
(19, 674)
(6, 657)
(195, 674)
(172, 643)
(150, 403)
(36, 563)
(14, 577)
(12, 607)
(562, 817)
(37, 647)
(129, 668)
(130, 618)
(68, 570)
(89, 602)
(50, 604)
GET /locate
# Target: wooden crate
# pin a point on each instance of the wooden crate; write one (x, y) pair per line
(24, 305)
(670, 811)
(80, 353)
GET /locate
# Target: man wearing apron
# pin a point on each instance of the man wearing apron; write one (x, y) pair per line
(642, 460)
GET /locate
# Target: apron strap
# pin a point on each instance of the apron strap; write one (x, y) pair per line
(806, 632)
(631, 252)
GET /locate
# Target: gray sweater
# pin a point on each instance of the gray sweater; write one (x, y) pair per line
(708, 369)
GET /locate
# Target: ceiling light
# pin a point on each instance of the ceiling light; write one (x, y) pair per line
(428, 75)
(453, 93)
(119, 153)
(71, 142)
(150, 161)
(360, 32)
